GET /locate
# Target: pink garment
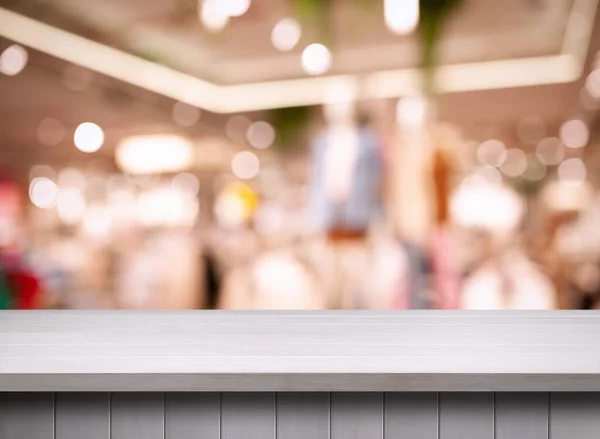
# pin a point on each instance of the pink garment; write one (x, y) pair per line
(446, 273)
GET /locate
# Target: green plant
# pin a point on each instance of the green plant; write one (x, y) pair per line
(290, 125)
(433, 16)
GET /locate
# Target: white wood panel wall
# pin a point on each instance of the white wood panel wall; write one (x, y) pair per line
(481, 415)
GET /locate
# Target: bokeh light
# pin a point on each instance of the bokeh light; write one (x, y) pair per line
(43, 192)
(286, 34)
(237, 127)
(13, 60)
(71, 205)
(592, 84)
(491, 152)
(401, 16)
(261, 135)
(550, 151)
(212, 15)
(515, 163)
(234, 8)
(50, 132)
(574, 133)
(572, 171)
(88, 137)
(245, 165)
(536, 170)
(186, 182)
(485, 205)
(72, 178)
(185, 115)
(97, 222)
(316, 59)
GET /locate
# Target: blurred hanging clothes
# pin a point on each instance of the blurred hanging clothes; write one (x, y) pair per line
(362, 203)
(26, 290)
(446, 274)
(511, 282)
(344, 199)
(212, 279)
(274, 280)
(5, 292)
(24, 285)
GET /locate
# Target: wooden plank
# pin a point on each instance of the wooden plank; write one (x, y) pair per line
(521, 415)
(466, 415)
(192, 415)
(137, 416)
(26, 415)
(302, 415)
(411, 415)
(82, 415)
(248, 415)
(357, 415)
(575, 415)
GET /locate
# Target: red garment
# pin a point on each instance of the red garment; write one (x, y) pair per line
(25, 289)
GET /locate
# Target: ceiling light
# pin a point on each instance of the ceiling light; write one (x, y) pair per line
(401, 16)
(234, 8)
(212, 15)
(316, 59)
(154, 154)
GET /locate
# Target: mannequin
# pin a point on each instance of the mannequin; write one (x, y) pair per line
(344, 195)
(411, 191)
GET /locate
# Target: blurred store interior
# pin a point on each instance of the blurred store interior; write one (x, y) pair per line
(299, 154)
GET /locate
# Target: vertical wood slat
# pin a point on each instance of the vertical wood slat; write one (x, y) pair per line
(302, 415)
(82, 415)
(248, 415)
(192, 415)
(411, 415)
(521, 415)
(466, 415)
(137, 415)
(26, 415)
(356, 415)
(575, 415)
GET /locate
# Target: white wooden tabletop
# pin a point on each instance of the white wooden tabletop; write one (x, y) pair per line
(325, 350)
